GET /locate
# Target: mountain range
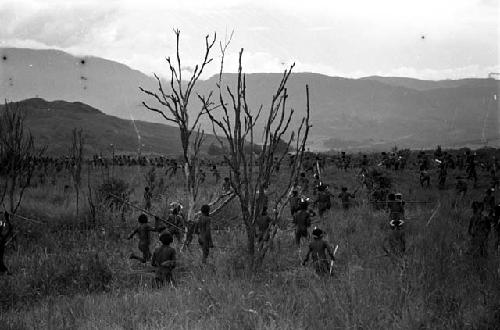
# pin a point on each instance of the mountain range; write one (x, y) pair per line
(366, 113)
(52, 123)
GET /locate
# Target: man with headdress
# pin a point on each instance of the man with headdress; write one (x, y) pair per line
(318, 249)
(302, 221)
(175, 221)
(443, 172)
(395, 206)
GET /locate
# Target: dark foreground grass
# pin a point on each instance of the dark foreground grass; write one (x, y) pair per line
(65, 279)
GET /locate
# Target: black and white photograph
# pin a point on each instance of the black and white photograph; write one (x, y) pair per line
(249, 164)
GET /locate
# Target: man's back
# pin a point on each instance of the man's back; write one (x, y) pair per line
(318, 248)
(144, 233)
(162, 254)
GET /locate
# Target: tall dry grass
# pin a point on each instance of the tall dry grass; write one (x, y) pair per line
(67, 277)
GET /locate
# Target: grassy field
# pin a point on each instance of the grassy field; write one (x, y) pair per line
(68, 277)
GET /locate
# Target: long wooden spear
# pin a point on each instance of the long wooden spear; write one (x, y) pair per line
(144, 211)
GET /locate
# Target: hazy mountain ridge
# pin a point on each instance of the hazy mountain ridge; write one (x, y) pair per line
(370, 111)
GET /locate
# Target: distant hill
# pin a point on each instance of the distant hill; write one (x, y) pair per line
(51, 123)
(370, 113)
(424, 85)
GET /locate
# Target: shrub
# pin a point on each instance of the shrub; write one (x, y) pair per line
(70, 274)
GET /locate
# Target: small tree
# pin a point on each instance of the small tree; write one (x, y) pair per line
(238, 131)
(17, 155)
(175, 104)
(76, 153)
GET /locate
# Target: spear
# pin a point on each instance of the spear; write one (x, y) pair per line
(434, 212)
(144, 211)
(24, 218)
(331, 261)
(415, 202)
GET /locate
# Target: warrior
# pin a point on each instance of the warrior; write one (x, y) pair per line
(318, 249)
(5, 234)
(164, 260)
(323, 199)
(263, 222)
(395, 206)
(147, 198)
(345, 197)
(202, 228)
(143, 231)
(395, 242)
(302, 221)
(479, 230)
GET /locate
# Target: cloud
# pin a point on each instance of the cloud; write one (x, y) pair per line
(352, 38)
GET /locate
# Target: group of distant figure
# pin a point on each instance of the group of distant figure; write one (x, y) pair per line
(303, 209)
(308, 196)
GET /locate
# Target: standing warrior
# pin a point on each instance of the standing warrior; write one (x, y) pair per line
(202, 228)
(489, 201)
(174, 223)
(471, 168)
(148, 196)
(5, 234)
(443, 172)
(496, 226)
(479, 230)
(226, 186)
(425, 178)
(460, 187)
(345, 198)
(294, 201)
(263, 222)
(304, 183)
(302, 221)
(216, 174)
(395, 206)
(323, 199)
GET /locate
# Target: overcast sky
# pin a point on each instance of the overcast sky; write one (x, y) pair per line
(429, 39)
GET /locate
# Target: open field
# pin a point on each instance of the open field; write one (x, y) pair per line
(66, 276)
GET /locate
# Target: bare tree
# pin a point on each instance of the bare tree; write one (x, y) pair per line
(174, 105)
(76, 153)
(237, 124)
(17, 155)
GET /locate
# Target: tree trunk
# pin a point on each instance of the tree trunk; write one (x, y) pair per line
(12, 190)
(77, 199)
(250, 229)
